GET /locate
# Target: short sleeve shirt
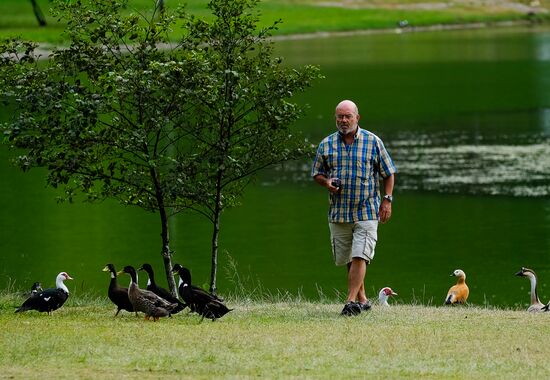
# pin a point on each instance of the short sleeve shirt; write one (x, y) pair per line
(359, 166)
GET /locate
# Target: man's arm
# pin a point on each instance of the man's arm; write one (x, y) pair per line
(388, 183)
(325, 182)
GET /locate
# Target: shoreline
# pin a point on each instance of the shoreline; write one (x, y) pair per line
(410, 29)
(45, 49)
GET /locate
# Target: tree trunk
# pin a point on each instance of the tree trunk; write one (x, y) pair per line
(38, 13)
(166, 253)
(216, 234)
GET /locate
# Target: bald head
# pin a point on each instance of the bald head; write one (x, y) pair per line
(347, 105)
(347, 117)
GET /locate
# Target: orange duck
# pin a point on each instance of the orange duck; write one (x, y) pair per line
(458, 293)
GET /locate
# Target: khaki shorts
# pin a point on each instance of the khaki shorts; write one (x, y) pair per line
(356, 239)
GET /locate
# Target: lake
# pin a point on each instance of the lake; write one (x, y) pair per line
(466, 117)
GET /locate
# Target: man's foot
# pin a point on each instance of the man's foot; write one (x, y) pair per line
(351, 308)
(365, 306)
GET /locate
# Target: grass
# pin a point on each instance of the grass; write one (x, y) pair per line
(292, 339)
(299, 16)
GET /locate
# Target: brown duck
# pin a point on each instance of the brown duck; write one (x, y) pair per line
(145, 301)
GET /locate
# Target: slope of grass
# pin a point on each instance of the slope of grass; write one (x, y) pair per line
(290, 339)
(299, 16)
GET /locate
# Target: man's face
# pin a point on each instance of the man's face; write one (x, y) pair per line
(346, 119)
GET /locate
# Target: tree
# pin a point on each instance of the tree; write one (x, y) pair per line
(103, 115)
(42, 20)
(122, 113)
(38, 13)
(244, 109)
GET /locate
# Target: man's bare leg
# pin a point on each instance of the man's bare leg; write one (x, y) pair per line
(356, 280)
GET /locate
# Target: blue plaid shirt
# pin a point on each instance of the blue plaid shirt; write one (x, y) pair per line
(359, 166)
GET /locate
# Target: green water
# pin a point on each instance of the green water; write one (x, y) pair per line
(466, 116)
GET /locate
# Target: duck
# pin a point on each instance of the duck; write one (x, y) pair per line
(458, 294)
(536, 305)
(384, 294)
(36, 288)
(198, 299)
(146, 301)
(159, 291)
(50, 299)
(186, 274)
(118, 294)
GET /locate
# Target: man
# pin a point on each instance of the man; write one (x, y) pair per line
(350, 163)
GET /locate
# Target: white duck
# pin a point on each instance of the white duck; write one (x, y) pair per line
(536, 305)
(384, 294)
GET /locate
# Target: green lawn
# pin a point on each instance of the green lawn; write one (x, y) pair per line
(275, 340)
(299, 16)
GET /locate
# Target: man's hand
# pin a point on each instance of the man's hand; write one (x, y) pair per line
(330, 185)
(326, 182)
(385, 211)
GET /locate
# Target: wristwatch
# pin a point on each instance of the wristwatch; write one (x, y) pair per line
(388, 197)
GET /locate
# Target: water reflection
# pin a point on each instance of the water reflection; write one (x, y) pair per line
(542, 47)
(450, 162)
(445, 164)
(544, 120)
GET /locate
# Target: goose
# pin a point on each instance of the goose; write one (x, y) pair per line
(199, 300)
(536, 305)
(146, 301)
(118, 294)
(458, 293)
(161, 292)
(384, 294)
(50, 299)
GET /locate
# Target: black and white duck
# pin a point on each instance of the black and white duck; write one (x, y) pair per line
(184, 273)
(36, 288)
(118, 294)
(50, 299)
(159, 291)
(146, 301)
(535, 305)
(198, 299)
